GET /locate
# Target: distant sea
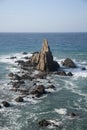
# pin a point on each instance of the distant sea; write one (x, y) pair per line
(71, 92)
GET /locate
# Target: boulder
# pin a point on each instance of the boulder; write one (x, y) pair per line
(38, 91)
(43, 123)
(69, 63)
(19, 99)
(69, 74)
(5, 104)
(44, 59)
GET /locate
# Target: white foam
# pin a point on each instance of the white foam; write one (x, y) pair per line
(55, 123)
(19, 56)
(61, 111)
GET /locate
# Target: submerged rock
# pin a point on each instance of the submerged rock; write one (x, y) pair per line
(24, 53)
(69, 63)
(5, 104)
(43, 123)
(83, 68)
(44, 60)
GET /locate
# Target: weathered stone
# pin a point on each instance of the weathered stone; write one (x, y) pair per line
(44, 60)
(19, 99)
(69, 63)
(5, 104)
(35, 58)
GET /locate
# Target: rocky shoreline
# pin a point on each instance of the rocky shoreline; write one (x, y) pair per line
(43, 63)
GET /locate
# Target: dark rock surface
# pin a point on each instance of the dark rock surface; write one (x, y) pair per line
(38, 91)
(69, 63)
(5, 103)
(19, 99)
(43, 123)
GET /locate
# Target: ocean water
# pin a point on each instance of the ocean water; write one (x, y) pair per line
(70, 94)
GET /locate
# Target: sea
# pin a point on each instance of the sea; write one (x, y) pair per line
(70, 95)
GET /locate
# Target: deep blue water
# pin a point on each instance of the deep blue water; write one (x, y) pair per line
(71, 94)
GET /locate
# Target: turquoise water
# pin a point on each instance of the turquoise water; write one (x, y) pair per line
(71, 92)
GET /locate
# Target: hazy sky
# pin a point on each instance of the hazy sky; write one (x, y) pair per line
(43, 15)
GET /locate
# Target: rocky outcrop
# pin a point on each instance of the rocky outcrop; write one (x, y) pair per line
(44, 60)
(5, 104)
(69, 63)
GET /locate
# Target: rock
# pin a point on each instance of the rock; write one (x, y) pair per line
(26, 57)
(19, 99)
(10, 74)
(17, 84)
(62, 73)
(43, 123)
(69, 63)
(24, 53)
(52, 123)
(69, 74)
(38, 91)
(41, 75)
(0, 106)
(44, 60)
(13, 57)
(5, 104)
(51, 87)
(35, 58)
(73, 114)
(83, 68)
(27, 76)
(19, 62)
(14, 76)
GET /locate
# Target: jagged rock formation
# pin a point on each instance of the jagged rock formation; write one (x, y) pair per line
(44, 60)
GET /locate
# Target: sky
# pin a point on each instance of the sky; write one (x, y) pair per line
(43, 15)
